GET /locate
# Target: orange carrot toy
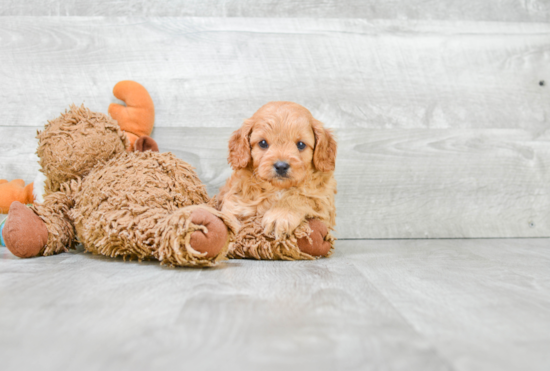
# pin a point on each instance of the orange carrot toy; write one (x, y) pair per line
(138, 116)
(14, 191)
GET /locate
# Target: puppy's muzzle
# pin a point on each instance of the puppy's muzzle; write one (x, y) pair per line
(281, 168)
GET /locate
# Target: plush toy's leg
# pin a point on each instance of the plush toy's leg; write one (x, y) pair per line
(209, 241)
(42, 229)
(24, 233)
(315, 244)
(14, 191)
(194, 236)
(310, 240)
(189, 236)
(54, 211)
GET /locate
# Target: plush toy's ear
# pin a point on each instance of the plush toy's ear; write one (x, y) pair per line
(324, 154)
(239, 146)
(145, 143)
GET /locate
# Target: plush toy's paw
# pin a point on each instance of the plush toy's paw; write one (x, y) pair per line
(145, 143)
(214, 240)
(194, 236)
(24, 233)
(315, 245)
(252, 242)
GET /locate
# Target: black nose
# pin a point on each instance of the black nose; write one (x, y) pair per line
(281, 167)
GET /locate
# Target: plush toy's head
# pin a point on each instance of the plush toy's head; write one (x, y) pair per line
(72, 144)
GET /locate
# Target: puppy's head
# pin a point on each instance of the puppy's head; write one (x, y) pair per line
(282, 143)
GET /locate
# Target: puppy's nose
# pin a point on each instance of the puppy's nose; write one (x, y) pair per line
(281, 167)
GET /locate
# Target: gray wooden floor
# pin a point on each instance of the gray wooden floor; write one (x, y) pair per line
(375, 305)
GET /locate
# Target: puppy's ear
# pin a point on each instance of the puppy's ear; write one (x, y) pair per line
(324, 154)
(239, 146)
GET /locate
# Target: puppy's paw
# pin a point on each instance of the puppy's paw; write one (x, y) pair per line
(280, 224)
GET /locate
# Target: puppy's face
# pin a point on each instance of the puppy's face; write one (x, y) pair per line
(282, 147)
(282, 143)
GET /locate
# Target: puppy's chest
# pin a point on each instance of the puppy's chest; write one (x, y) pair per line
(279, 198)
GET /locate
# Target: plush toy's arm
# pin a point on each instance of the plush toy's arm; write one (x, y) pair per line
(310, 240)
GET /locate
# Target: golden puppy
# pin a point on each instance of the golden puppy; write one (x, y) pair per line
(283, 161)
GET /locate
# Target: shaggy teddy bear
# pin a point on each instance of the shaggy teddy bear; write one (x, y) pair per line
(116, 203)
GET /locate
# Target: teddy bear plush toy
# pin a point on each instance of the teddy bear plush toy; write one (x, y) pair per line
(136, 204)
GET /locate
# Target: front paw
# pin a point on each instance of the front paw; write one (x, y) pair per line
(280, 225)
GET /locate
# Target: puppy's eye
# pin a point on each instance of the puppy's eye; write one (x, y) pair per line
(263, 144)
(301, 145)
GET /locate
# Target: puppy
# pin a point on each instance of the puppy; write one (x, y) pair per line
(283, 161)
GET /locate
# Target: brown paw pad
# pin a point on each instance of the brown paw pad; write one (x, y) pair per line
(212, 242)
(25, 233)
(318, 246)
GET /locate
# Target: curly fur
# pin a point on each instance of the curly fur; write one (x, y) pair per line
(252, 242)
(73, 143)
(143, 215)
(135, 205)
(54, 211)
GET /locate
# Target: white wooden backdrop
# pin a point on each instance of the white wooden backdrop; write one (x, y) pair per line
(442, 109)
(473, 10)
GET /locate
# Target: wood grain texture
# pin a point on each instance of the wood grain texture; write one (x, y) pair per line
(471, 10)
(418, 183)
(215, 72)
(374, 305)
(246, 315)
(484, 303)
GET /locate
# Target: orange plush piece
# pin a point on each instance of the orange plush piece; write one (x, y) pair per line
(14, 191)
(138, 116)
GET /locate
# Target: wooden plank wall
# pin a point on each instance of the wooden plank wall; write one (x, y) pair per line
(471, 10)
(441, 111)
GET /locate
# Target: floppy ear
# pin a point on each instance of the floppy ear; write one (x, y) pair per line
(239, 146)
(324, 154)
